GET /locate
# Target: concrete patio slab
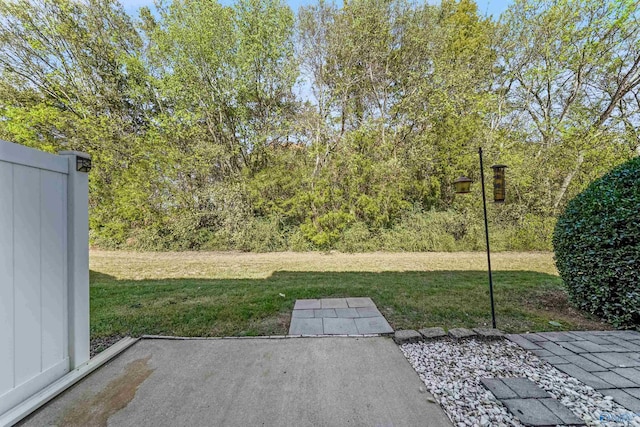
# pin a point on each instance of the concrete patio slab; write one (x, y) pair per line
(247, 382)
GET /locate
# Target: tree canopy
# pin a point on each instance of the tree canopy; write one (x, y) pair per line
(256, 127)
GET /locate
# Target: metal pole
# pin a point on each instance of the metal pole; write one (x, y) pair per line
(486, 233)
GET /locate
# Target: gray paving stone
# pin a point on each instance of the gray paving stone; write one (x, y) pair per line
(554, 360)
(300, 326)
(525, 388)
(562, 412)
(498, 388)
(629, 373)
(405, 336)
(531, 412)
(620, 360)
(339, 326)
(597, 339)
(629, 345)
(584, 363)
(324, 312)
(584, 334)
(489, 333)
(347, 312)
(615, 379)
(555, 348)
(623, 398)
(626, 335)
(635, 392)
(459, 333)
(597, 360)
(522, 342)
(542, 353)
(535, 337)
(556, 336)
(592, 347)
(431, 333)
(368, 312)
(373, 325)
(616, 348)
(575, 336)
(302, 313)
(572, 347)
(634, 356)
(584, 376)
(333, 303)
(307, 304)
(360, 302)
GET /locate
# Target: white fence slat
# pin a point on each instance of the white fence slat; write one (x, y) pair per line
(21, 155)
(53, 286)
(6, 277)
(27, 342)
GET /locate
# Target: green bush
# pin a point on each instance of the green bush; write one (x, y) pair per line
(597, 246)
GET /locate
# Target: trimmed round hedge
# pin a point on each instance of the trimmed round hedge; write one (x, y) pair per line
(597, 246)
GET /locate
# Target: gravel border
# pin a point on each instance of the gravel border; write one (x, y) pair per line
(98, 345)
(451, 371)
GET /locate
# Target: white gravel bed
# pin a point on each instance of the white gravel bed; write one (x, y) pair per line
(451, 371)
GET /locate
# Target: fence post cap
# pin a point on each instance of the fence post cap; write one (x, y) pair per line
(75, 153)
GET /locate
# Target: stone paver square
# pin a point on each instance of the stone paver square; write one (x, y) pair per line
(522, 342)
(555, 360)
(339, 326)
(623, 398)
(597, 360)
(629, 373)
(360, 302)
(635, 392)
(333, 303)
(498, 388)
(348, 313)
(307, 304)
(562, 412)
(305, 314)
(368, 312)
(300, 326)
(585, 364)
(584, 376)
(373, 325)
(620, 360)
(525, 388)
(430, 333)
(555, 348)
(591, 347)
(325, 312)
(531, 412)
(615, 379)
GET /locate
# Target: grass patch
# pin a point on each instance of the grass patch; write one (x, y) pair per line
(224, 294)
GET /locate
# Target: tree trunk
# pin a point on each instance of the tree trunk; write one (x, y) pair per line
(567, 181)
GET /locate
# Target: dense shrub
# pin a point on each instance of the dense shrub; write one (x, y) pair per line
(597, 246)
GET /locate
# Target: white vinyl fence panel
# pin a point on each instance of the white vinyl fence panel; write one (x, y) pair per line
(37, 318)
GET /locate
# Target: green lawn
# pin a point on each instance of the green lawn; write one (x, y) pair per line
(254, 305)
